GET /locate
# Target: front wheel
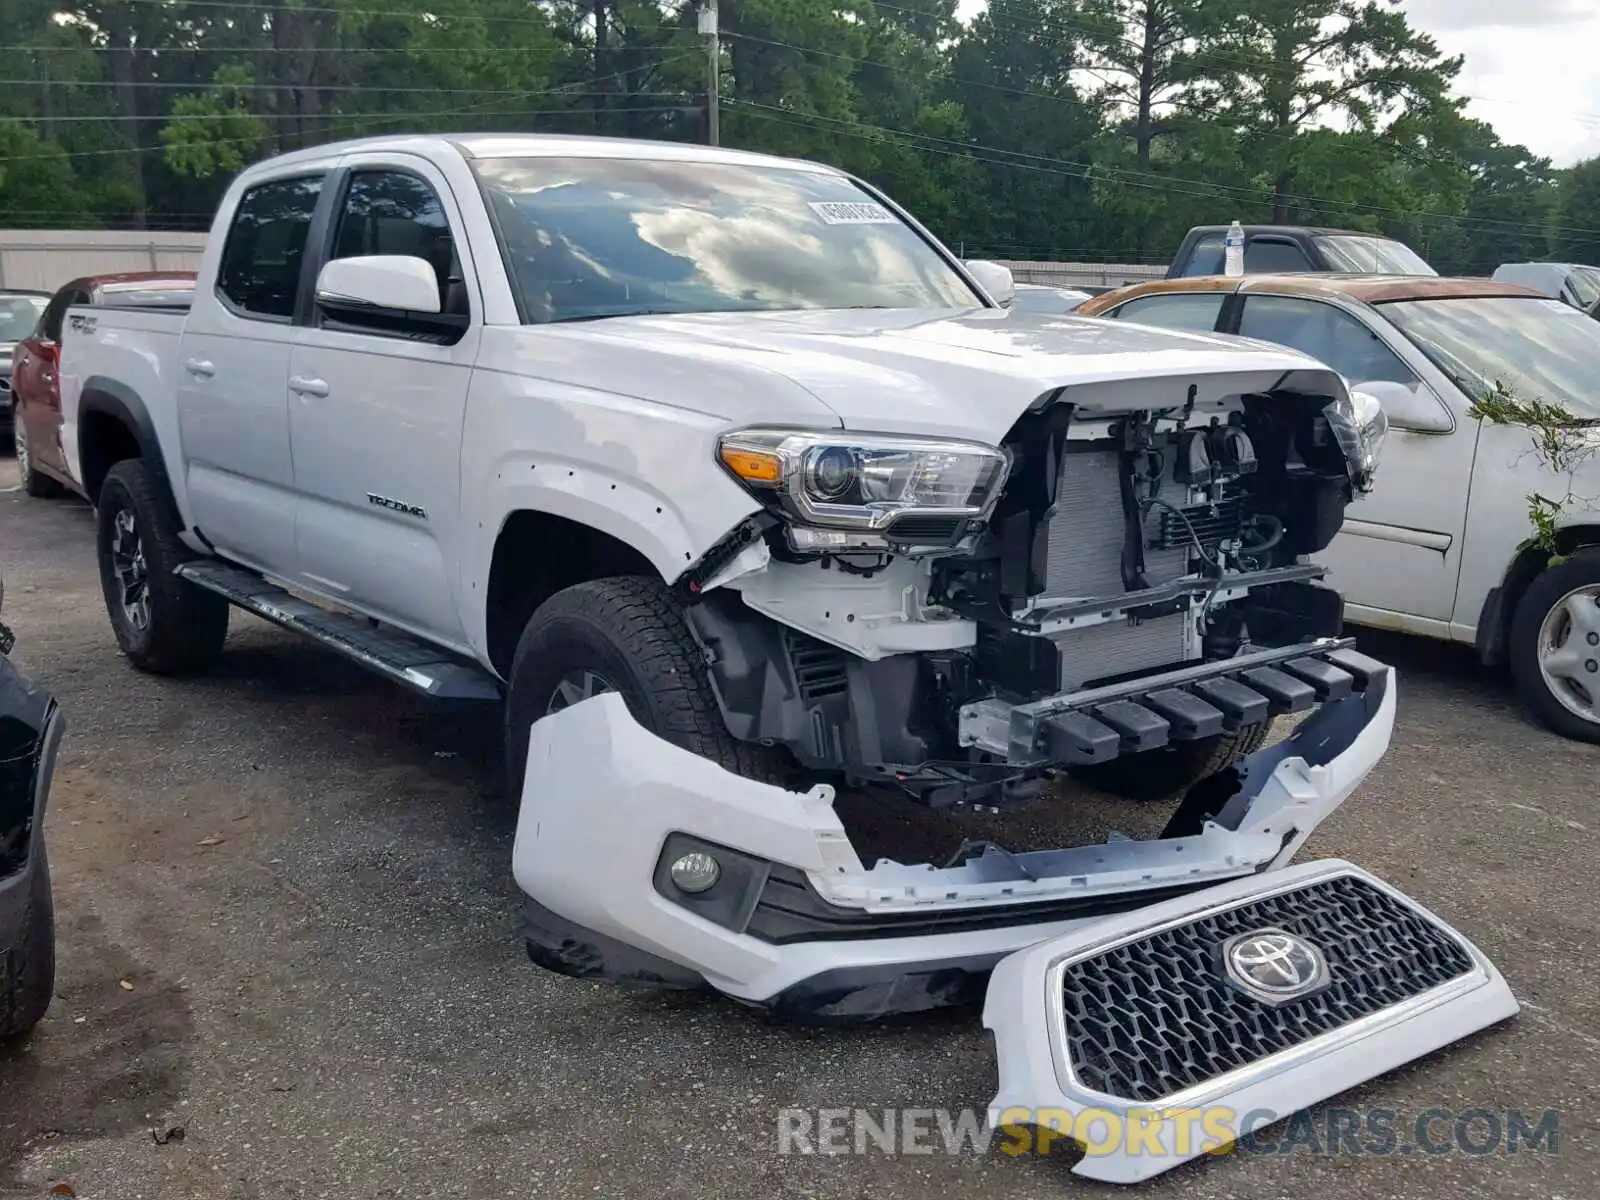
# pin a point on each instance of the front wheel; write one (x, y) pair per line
(164, 624)
(1555, 647)
(624, 634)
(1162, 774)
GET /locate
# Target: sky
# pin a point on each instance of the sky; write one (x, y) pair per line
(1532, 68)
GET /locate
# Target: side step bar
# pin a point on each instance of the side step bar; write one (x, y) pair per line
(398, 656)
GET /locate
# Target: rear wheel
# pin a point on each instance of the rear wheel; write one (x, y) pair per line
(1555, 647)
(164, 624)
(28, 955)
(625, 634)
(33, 482)
(1161, 774)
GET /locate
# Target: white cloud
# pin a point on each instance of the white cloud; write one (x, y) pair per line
(1531, 68)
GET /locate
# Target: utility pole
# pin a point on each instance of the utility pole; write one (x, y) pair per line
(708, 29)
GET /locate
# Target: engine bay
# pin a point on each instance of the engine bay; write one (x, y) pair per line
(1119, 550)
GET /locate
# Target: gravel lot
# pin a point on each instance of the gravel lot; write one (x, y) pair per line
(287, 926)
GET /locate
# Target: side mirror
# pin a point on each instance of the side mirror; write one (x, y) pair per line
(397, 282)
(1407, 408)
(994, 279)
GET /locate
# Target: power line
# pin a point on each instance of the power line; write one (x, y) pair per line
(426, 115)
(1064, 167)
(433, 14)
(1426, 156)
(351, 116)
(245, 50)
(1259, 66)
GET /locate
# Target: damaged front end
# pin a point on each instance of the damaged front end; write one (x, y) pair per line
(956, 620)
(1116, 585)
(646, 863)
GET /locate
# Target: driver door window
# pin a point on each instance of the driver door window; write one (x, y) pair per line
(1334, 337)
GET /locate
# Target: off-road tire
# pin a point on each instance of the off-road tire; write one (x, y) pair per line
(630, 631)
(187, 624)
(28, 953)
(1162, 774)
(1547, 589)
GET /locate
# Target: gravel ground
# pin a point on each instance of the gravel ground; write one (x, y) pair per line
(287, 927)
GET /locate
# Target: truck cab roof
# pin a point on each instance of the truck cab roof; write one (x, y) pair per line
(529, 145)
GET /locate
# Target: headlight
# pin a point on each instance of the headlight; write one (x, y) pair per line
(1359, 426)
(849, 487)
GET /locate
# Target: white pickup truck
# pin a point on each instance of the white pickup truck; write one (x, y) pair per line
(738, 486)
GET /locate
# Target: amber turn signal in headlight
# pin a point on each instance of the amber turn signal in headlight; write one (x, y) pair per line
(753, 466)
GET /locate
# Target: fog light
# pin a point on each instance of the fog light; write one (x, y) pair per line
(695, 872)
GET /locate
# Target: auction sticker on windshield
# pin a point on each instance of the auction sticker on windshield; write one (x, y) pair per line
(852, 212)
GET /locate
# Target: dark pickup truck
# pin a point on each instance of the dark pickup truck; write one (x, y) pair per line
(1281, 249)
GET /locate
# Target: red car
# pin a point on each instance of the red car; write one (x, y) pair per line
(36, 390)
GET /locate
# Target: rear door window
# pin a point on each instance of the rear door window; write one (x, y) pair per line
(260, 272)
(1269, 255)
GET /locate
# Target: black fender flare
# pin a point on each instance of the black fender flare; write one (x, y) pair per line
(117, 400)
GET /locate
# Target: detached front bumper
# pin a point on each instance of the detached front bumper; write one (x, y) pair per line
(797, 923)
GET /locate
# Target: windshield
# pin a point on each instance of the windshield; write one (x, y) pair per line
(599, 237)
(18, 316)
(1372, 255)
(1585, 283)
(1536, 349)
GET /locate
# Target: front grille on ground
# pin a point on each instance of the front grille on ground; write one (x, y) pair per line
(1154, 1017)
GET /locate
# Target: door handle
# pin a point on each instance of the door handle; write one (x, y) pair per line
(303, 385)
(201, 367)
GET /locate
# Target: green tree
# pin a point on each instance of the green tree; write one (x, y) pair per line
(35, 179)
(1576, 233)
(1030, 131)
(1279, 69)
(1144, 52)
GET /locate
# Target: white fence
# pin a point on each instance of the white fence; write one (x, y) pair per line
(45, 259)
(1078, 274)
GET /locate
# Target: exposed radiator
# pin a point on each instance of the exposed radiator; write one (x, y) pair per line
(1118, 647)
(1084, 554)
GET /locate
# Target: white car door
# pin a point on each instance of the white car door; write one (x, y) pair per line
(1398, 557)
(233, 363)
(376, 406)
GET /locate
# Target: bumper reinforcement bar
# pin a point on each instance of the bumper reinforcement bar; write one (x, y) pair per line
(1098, 724)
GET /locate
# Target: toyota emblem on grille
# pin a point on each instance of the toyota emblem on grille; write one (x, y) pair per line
(1274, 966)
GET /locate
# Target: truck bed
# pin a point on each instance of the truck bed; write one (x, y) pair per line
(127, 349)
